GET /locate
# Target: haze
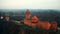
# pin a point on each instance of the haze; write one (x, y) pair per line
(29, 4)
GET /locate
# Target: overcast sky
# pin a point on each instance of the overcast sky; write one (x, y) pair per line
(29, 4)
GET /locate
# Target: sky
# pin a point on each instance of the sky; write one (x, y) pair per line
(29, 4)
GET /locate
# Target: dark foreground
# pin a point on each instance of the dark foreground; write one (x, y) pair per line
(8, 27)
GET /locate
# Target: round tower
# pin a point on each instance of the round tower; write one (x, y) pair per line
(27, 16)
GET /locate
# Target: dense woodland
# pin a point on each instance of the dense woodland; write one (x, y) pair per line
(45, 15)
